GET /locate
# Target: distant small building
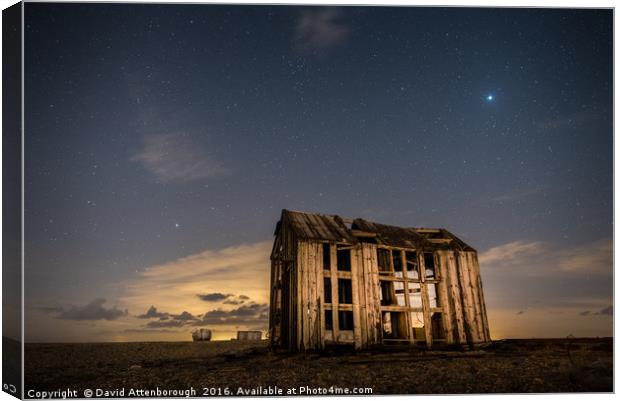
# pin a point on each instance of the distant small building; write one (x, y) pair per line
(351, 281)
(248, 335)
(201, 335)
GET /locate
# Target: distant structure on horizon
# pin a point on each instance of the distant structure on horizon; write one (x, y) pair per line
(247, 335)
(201, 335)
(351, 281)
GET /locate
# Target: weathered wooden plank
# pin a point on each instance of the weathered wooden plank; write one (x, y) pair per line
(319, 226)
(367, 295)
(362, 295)
(304, 295)
(295, 307)
(357, 322)
(409, 327)
(373, 275)
(312, 228)
(428, 333)
(334, 280)
(314, 294)
(455, 298)
(468, 307)
(371, 299)
(485, 322)
(310, 295)
(319, 297)
(303, 226)
(473, 280)
(444, 303)
(372, 280)
(301, 251)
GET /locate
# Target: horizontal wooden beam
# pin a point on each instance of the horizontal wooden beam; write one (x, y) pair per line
(363, 234)
(394, 308)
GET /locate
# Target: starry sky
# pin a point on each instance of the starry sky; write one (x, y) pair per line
(163, 141)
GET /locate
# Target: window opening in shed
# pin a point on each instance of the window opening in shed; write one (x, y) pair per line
(345, 293)
(327, 257)
(345, 320)
(398, 263)
(344, 259)
(429, 265)
(327, 290)
(412, 265)
(329, 321)
(394, 325)
(383, 260)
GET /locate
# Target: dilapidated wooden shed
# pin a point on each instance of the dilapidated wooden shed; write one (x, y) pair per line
(351, 281)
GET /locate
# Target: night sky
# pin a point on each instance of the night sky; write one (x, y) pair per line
(163, 141)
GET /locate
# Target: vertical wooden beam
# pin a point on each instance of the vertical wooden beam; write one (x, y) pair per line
(312, 305)
(428, 332)
(373, 302)
(454, 292)
(442, 288)
(362, 295)
(301, 251)
(473, 282)
(466, 295)
(307, 297)
(334, 279)
(374, 283)
(357, 322)
(485, 321)
(320, 297)
(408, 324)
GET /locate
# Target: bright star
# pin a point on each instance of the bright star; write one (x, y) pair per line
(490, 98)
(177, 225)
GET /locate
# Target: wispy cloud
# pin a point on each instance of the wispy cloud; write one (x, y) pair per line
(94, 310)
(596, 257)
(320, 30)
(511, 252)
(539, 258)
(174, 158)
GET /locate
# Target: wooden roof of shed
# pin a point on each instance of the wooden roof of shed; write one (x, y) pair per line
(333, 228)
(318, 226)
